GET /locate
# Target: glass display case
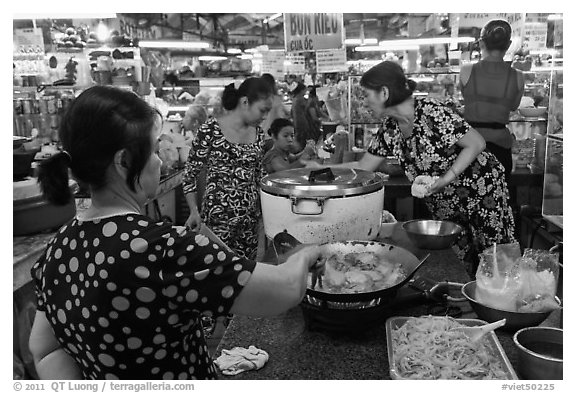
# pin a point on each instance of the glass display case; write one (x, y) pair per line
(552, 199)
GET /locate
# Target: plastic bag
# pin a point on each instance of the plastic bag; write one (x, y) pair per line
(539, 272)
(497, 277)
(508, 281)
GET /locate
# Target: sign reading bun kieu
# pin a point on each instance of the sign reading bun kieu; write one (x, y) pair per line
(316, 31)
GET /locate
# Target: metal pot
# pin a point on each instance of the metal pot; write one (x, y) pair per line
(334, 204)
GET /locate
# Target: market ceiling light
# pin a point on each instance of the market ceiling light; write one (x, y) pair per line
(211, 58)
(428, 41)
(358, 41)
(385, 48)
(102, 31)
(174, 44)
(245, 57)
(272, 17)
(234, 51)
(555, 17)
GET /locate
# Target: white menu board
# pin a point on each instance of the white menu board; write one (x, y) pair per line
(273, 63)
(332, 60)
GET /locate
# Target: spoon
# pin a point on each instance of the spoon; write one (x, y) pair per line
(475, 333)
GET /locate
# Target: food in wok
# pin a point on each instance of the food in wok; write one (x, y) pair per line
(433, 348)
(358, 272)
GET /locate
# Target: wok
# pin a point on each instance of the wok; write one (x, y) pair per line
(393, 254)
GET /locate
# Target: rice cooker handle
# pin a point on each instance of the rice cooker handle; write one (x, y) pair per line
(321, 175)
(309, 209)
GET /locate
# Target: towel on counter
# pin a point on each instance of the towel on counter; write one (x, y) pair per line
(236, 360)
(421, 185)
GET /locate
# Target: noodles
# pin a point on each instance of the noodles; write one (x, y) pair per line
(428, 348)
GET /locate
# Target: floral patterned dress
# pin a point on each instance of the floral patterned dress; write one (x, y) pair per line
(230, 203)
(477, 199)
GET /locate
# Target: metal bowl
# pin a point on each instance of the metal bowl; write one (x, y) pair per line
(539, 352)
(514, 320)
(533, 111)
(432, 234)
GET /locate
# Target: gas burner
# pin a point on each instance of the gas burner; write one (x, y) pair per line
(422, 296)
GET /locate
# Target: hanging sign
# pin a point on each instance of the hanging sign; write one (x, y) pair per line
(273, 63)
(332, 60)
(295, 64)
(311, 32)
(26, 39)
(535, 36)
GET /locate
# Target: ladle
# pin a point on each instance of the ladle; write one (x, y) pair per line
(475, 333)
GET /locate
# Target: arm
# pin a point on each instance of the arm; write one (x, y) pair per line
(197, 161)
(518, 98)
(273, 290)
(368, 162)
(472, 144)
(465, 72)
(50, 359)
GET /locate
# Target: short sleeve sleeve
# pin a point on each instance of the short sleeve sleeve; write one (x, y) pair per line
(380, 143)
(200, 275)
(448, 126)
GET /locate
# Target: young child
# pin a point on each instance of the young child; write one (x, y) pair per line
(280, 157)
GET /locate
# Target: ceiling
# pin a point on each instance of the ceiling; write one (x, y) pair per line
(252, 29)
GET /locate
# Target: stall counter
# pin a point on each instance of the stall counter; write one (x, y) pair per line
(296, 352)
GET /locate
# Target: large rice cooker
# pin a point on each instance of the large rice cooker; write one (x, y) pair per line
(333, 204)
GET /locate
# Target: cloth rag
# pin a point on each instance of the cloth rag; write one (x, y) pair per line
(236, 360)
(421, 185)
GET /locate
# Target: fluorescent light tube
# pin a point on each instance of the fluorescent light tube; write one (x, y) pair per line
(174, 44)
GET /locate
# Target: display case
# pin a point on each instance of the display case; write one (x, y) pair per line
(552, 199)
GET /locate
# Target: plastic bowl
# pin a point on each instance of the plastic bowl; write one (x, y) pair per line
(432, 234)
(514, 320)
(540, 352)
(533, 111)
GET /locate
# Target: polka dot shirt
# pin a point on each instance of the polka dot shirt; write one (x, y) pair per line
(124, 296)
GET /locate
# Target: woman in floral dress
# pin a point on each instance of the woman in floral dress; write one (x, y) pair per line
(430, 138)
(227, 153)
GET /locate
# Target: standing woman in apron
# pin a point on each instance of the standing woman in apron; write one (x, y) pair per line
(491, 90)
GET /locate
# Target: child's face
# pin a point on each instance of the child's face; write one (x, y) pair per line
(285, 138)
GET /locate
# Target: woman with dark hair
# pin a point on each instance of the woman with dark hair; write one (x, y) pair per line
(278, 109)
(430, 139)
(305, 129)
(280, 157)
(119, 295)
(491, 90)
(228, 149)
(315, 111)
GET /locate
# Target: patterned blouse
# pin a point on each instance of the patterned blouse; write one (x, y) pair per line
(125, 295)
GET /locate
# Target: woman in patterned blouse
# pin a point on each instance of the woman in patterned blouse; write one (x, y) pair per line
(119, 295)
(227, 155)
(430, 138)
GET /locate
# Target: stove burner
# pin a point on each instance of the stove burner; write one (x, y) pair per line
(421, 296)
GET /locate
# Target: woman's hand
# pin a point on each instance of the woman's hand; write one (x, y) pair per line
(194, 221)
(441, 182)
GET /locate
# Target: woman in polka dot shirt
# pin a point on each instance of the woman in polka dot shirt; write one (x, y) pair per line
(119, 295)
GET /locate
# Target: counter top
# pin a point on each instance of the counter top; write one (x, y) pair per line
(299, 353)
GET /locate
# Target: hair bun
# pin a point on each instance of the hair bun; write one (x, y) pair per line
(411, 84)
(230, 97)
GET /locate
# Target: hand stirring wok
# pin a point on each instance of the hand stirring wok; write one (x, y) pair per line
(475, 333)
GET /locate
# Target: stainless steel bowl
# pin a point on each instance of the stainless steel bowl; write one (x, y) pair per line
(432, 234)
(514, 320)
(540, 352)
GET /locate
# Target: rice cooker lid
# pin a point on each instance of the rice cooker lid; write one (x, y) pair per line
(304, 182)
